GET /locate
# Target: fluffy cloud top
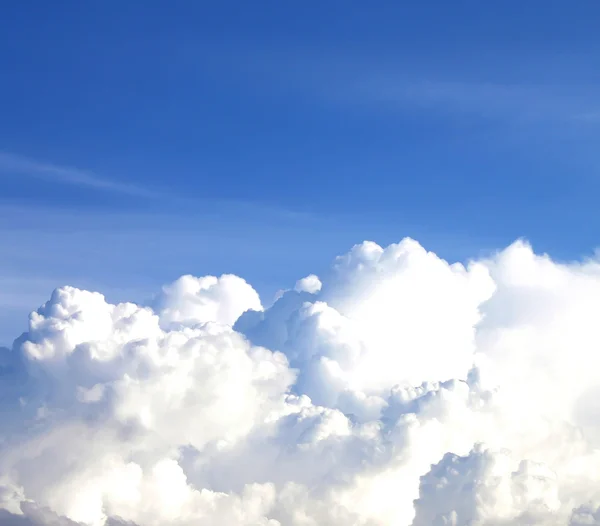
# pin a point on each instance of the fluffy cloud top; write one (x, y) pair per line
(396, 390)
(190, 300)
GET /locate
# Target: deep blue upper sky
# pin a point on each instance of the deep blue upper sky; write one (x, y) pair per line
(142, 140)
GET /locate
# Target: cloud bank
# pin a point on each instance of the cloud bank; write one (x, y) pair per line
(398, 389)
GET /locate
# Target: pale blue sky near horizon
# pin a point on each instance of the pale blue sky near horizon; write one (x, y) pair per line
(143, 140)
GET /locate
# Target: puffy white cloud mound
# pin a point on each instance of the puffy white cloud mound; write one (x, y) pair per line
(487, 488)
(190, 300)
(398, 389)
(398, 315)
(311, 284)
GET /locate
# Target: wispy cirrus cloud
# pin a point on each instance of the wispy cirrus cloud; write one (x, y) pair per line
(387, 84)
(12, 165)
(507, 101)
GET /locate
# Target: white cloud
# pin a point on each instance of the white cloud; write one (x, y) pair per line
(403, 391)
(190, 300)
(487, 488)
(311, 284)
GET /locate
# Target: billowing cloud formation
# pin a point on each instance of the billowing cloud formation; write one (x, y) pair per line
(397, 390)
(192, 300)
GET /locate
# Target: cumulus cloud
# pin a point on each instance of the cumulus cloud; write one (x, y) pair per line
(190, 300)
(396, 389)
(487, 487)
(311, 284)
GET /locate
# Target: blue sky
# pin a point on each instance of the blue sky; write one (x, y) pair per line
(143, 140)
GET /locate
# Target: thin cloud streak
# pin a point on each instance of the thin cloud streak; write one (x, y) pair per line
(358, 81)
(522, 102)
(15, 165)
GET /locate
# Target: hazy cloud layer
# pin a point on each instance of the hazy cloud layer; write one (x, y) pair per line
(398, 389)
